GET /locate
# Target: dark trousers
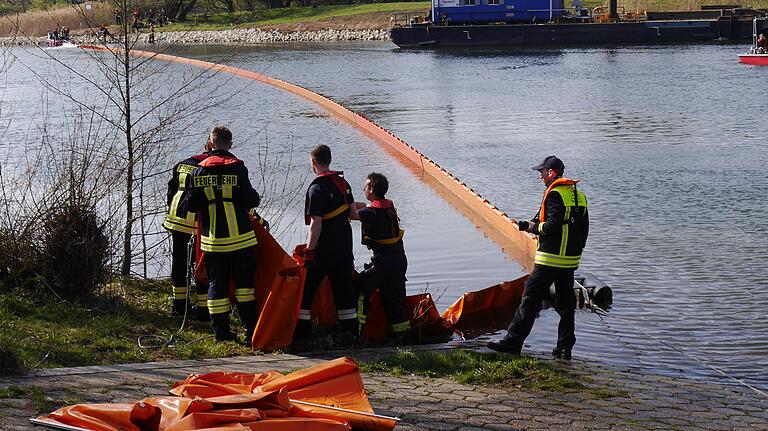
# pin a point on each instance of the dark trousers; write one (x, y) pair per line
(181, 258)
(536, 290)
(387, 273)
(236, 265)
(339, 272)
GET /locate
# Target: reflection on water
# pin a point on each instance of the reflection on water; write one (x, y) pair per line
(667, 141)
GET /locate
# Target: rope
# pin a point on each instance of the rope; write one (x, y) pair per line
(603, 313)
(171, 341)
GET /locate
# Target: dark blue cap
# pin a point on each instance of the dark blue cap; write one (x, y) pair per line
(551, 162)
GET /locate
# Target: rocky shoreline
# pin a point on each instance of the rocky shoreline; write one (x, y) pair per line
(235, 36)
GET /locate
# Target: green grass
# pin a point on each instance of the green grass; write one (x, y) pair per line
(12, 392)
(470, 367)
(266, 17)
(46, 334)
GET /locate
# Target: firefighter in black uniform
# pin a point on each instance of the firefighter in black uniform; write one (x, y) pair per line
(381, 233)
(328, 207)
(562, 226)
(182, 223)
(222, 195)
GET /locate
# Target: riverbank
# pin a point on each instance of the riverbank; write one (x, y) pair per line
(634, 400)
(248, 36)
(321, 24)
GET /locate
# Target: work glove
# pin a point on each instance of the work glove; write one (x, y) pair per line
(523, 225)
(308, 256)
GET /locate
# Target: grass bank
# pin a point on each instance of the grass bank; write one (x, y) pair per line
(295, 15)
(36, 333)
(358, 16)
(469, 367)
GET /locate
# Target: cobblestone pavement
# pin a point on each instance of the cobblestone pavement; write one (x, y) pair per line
(617, 398)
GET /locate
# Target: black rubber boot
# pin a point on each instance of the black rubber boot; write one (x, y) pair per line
(402, 338)
(505, 346)
(201, 314)
(178, 307)
(247, 311)
(221, 329)
(560, 353)
(303, 330)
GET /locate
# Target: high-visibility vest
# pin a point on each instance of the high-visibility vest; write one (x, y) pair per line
(179, 218)
(561, 242)
(224, 195)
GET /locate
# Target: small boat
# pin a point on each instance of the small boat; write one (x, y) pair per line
(754, 59)
(757, 55)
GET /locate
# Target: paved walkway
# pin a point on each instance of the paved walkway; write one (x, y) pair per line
(644, 401)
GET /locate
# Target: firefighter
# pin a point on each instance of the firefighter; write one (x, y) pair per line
(562, 226)
(182, 223)
(222, 196)
(328, 207)
(382, 234)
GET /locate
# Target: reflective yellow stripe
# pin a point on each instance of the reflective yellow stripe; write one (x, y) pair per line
(211, 196)
(335, 212)
(400, 327)
(564, 233)
(229, 210)
(202, 301)
(245, 295)
(179, 292)
(220, 245)
(361, 309)
(218, 306)
(229, 213)
(387, 241)
(181, 225)
(556, 261)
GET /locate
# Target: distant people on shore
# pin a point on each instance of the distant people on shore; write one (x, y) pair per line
(104, 33)
(136, 19)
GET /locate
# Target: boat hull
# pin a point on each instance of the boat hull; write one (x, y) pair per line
(754, 59)
(558, 34)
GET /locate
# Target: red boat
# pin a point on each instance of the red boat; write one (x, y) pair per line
(758, 54)
(754, 59)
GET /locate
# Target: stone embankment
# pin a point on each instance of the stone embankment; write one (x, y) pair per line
(234, 36)
(616, 398)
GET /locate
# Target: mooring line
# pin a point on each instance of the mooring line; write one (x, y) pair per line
(602, 313)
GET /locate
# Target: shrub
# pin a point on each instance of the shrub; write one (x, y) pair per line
(75, 252)
(18, 261)
(9, 362)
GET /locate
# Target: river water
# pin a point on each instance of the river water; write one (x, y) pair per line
(666, 140)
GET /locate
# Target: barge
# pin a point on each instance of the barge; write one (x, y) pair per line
(530, 23)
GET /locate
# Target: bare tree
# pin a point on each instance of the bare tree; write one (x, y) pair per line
(144, 106)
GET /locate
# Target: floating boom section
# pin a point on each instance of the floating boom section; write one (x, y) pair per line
(495, 223)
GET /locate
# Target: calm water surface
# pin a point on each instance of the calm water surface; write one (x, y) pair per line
(666, 140)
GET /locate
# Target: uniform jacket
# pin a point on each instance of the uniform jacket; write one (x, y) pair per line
(179, 218)
(221, 194)
(562, 225)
